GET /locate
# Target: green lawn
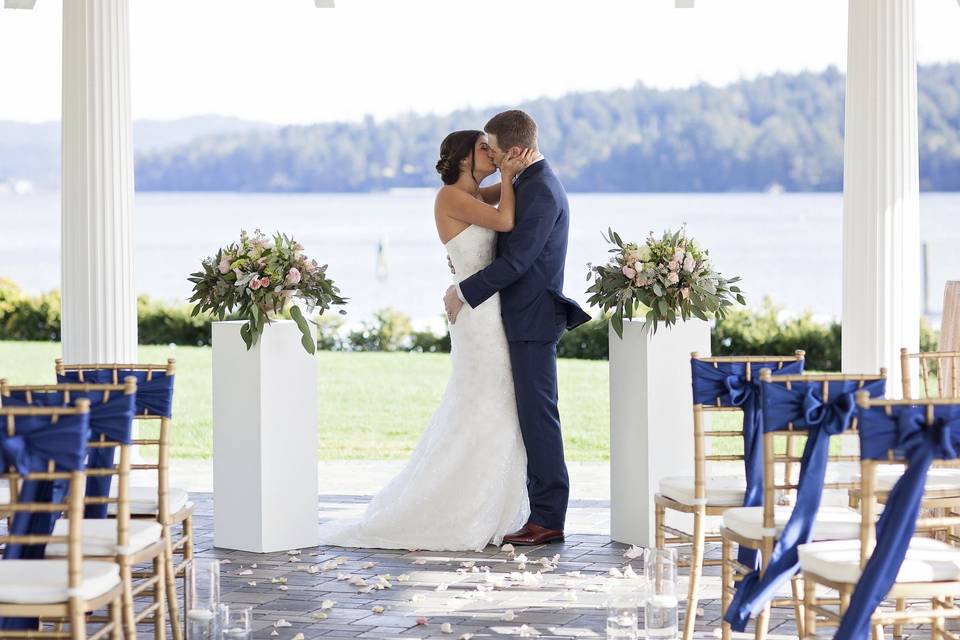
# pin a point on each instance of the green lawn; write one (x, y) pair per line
(371, 405)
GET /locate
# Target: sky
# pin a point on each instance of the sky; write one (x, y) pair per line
(284, 61)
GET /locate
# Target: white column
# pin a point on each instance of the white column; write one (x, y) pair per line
(881, 193)
(99, 309)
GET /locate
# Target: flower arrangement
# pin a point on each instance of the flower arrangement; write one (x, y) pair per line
(666, 279)
(259, 277)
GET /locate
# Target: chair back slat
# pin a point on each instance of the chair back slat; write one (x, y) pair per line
(938, 373)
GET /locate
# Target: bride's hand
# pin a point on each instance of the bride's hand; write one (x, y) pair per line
(514, 164)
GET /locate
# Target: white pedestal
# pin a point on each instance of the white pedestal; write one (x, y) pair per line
(264, 440)
(651, 420)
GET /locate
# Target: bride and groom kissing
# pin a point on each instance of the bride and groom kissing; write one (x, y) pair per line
(489, 468)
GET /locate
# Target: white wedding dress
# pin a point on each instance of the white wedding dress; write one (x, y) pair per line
(464, 486)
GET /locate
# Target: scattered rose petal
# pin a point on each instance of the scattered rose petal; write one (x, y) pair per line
(378, 609)
(319, 615)
(417, 597)
(313, 569)
(252, 583)
(421, 621)
(615, 573)
(465, 636)
(483, 588)
(446, 628)
(343, 576)
(383, 583)
(357, 581)
(299, 636)
(507, 548)
(245, 572)
(283, 587)
(570, 596)
(327, 604)
(441, 587)
(280, 580)
(279, 624)
(508, 615)
(526, 631)
(293, 552)
(274, 633)
(420, 562)
(226, 561)
(629, 572)
(521, 558)
(468, 564)
(573, 574)
(700, 611)
(403, 577)
(368, 565)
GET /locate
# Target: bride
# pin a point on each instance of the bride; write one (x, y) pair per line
(464, 486)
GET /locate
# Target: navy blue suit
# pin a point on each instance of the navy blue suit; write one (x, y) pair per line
(528, 274)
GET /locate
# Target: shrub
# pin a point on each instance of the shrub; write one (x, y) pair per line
(159, 323)
(589, 341)
(388, 331)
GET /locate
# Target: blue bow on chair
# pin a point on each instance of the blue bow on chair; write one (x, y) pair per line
(154, 396)
(37, 441)
(920, 444)
(728, 383)
(111, 418)
(804, 407)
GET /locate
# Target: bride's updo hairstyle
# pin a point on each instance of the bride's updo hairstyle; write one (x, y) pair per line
(453, 150)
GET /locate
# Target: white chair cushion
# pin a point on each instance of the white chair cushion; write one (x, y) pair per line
(832, 523)
(100, 536)
(721, 491)
(943, 481)
(45, 581)
(927, 560)
(144, 500)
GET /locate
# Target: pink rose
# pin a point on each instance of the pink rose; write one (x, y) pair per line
(255, 284)
(264, 281)
(630, 273)
(673, 265)
(293, 276)
(673, 277)
(224, 265)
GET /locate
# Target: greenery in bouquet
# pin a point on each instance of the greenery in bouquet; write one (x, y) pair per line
(665, 280)
(258, 278)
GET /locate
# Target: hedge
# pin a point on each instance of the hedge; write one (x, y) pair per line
(743, 332)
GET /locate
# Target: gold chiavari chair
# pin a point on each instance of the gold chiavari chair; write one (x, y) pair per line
(67, 589)
(125, 541)
(706, 494)
(939, 373)
(170, 506)
(930, 570)
(760, 527)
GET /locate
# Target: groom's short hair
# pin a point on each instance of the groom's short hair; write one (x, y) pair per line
(513, 128)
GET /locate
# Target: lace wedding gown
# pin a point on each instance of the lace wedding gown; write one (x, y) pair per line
(465, 484)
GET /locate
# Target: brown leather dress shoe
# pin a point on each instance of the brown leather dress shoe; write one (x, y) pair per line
(533, 534)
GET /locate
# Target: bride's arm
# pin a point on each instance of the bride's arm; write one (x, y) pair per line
(462, 206)
(491, 194)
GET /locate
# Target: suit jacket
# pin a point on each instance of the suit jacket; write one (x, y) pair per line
(528, 269)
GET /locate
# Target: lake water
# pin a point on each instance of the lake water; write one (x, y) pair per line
(784, 246)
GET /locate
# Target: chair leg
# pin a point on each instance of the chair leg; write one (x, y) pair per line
(898, 628)
(696, 568)
(78, 620)
(159, 591)
(762, 623)
(116, 619)
(726, 585)
(173, 603)
(129, 616)
(660, 515)
(877, 632)
(809, 613)
(797, 604)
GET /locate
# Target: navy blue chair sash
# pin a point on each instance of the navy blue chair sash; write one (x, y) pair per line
(111, 416)
(38, 440)
(906, 431)
(726, 383)
(802, 405)
(154, 396)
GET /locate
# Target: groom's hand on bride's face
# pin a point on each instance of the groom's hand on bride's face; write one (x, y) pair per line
(452, 304)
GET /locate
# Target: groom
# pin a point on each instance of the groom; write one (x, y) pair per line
(528, 274)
